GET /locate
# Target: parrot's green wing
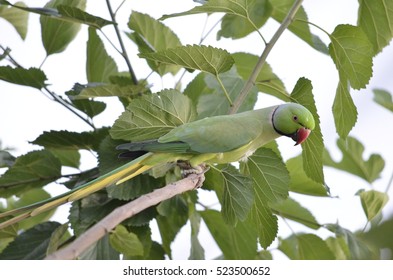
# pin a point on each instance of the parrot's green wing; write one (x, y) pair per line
(221, 133)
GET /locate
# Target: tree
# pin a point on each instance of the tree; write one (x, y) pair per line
(207, 80)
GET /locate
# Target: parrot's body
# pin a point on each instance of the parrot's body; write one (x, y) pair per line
(219, 139)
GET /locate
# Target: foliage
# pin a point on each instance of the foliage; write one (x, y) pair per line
(253, 195)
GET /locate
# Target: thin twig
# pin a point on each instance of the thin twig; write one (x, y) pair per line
(45, 90)
(130, 209)
(68, 106)
(123, 49)
(262, 59)
(9, 57)
(389, 184)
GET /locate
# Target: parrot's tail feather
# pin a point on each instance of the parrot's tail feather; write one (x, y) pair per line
(48, 206)
(116, 176)
(142, 169)
(14, 220)
(130, 155)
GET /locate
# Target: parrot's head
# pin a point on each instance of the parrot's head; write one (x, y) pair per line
(293, 120)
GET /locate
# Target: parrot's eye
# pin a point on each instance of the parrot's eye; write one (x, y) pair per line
(294, 118)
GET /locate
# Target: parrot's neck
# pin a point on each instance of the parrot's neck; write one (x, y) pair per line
(267, 133)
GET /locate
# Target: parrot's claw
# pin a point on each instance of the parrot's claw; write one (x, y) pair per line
(187, 169)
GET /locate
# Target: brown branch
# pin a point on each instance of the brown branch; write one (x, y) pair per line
(121, 213)
(262, 59)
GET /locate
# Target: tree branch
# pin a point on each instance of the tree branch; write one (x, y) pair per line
(262, 59)
(121, 213)
(123, 49)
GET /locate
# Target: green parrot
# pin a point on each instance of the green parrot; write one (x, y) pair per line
(213, 140)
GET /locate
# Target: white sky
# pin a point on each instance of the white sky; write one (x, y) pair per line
(25, 113)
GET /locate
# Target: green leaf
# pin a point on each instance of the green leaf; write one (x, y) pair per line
(197, 87)
(125, 242)
(265, 222)
(380, 236)
(305, 247)
(41, 11)
(67, 157)
(299, 25)
(78, 15)
(269, 174)
(86, 212)
(30, 244)
(57, 238)
(300, 182)
(338, 247)
(271, 181)
(312, 247)
(197, 251)
(31, 77)
(237, 197)
(57, 34)
(352, 160)
(142, 218)
(26, 198)
(204, 58)
(173, 216)
(376, 20)
(90, 107)
(99, 65)
(63, 12)
(313, 147)
(6, 159)
(358, 250)
(143, 234)
(152, 36)
(373, 202)
(351, 51)
(266, 81)
(213, 102)
(156, 252)
(106, 90)
(253, 16)
(68, 140)
(32, 170)
(242, 16)
(383, 98)
(101, 250)
(237, 242)
(292, 210)
(344, 110)
(136, 187)
(17, 17)
(131, 189)
(151, 116)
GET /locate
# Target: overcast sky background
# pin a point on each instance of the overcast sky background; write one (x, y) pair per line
(25, 113)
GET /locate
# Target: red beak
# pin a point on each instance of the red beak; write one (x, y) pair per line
(301, 135)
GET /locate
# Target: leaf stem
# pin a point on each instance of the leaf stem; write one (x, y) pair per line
(123, 49)
(203, 37)
(68, 106)
(262, 59)
(9, 57)
(313, 24)
(54, 96)
(224, 90)
(118, 8)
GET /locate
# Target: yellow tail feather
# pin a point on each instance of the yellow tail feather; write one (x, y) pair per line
(142, 169)
(117, 177)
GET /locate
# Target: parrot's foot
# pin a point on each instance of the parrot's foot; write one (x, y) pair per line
(187, 169)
